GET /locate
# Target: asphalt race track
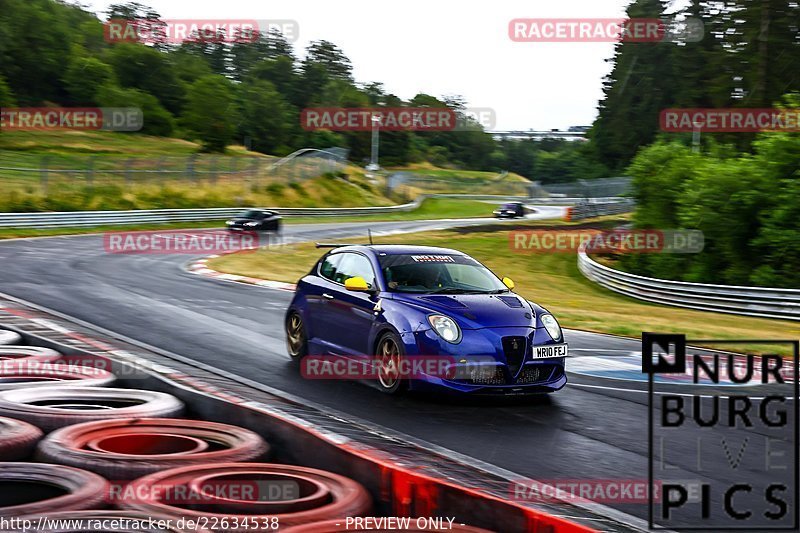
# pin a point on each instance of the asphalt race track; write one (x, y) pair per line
(595, 428)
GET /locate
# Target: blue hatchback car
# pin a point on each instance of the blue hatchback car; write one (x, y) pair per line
(395, 303)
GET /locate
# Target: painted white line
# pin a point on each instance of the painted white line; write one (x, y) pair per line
(686, 395)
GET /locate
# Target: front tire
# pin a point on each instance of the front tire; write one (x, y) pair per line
(390, 354)
(296, 339)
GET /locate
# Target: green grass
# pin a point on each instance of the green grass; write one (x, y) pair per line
(429, 179)
(71, 143)
(426, 170)
(16, 233)
(552, 280)
(431, 208)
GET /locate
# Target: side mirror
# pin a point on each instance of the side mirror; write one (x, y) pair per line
(508, 282)
(357, 284)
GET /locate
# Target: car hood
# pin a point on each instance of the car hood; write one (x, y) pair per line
(475, 311)
(239, 220)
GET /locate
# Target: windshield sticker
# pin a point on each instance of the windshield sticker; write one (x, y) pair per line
(433, 258)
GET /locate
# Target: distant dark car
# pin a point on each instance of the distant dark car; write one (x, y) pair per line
(510, 210)
(255, 220)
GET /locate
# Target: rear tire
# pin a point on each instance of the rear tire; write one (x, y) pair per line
(390, 353)
(296, 339)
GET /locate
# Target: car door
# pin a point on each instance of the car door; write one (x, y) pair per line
(351, 313)
(320, 323)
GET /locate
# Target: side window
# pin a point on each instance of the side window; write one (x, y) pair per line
(353, 265)
(328, 267)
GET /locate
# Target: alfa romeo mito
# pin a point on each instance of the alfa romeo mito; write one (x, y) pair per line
(396, 304)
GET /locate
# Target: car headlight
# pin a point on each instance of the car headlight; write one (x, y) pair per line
(229, 222)
(551, 325)
(251, 224)
(446, 328)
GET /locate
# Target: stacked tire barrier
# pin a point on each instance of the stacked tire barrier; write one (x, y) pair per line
(17, 439)
(50, 408)
(24, 375)
(74, 448)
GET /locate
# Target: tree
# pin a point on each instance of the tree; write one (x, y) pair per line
(279, 71)
(210, 113)
(308, 87)
(34, 43)
(266, 116)
(84, 76)
(767, 41)
(144, 18)
(247, 52)
(131, 11)
(6, 96)
(187, 66)
(635, 92)
(331, 58)
(157, 120)
(142, 67)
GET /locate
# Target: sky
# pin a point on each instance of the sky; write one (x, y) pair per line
(444, 47)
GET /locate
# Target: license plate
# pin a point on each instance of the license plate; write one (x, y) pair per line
(552, 350)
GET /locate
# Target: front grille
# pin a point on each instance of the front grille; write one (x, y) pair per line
(486, 375)
(515, 349)
(536, 373)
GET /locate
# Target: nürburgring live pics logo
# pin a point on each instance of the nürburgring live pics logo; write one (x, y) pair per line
(726, 458)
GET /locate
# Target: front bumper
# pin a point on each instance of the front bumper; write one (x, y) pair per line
(486, 366)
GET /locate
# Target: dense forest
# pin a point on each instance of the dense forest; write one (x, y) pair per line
(229, 90)
(748, 57)
(740, 189)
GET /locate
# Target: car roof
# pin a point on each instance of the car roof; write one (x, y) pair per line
(397, 249)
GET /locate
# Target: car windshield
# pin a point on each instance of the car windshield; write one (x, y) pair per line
(509, 206)
(252, 213)
(438, 274)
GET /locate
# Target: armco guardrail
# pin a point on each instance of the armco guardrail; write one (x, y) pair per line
(68, 219)
(103, 218)
(599, 207)
(738, 300)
